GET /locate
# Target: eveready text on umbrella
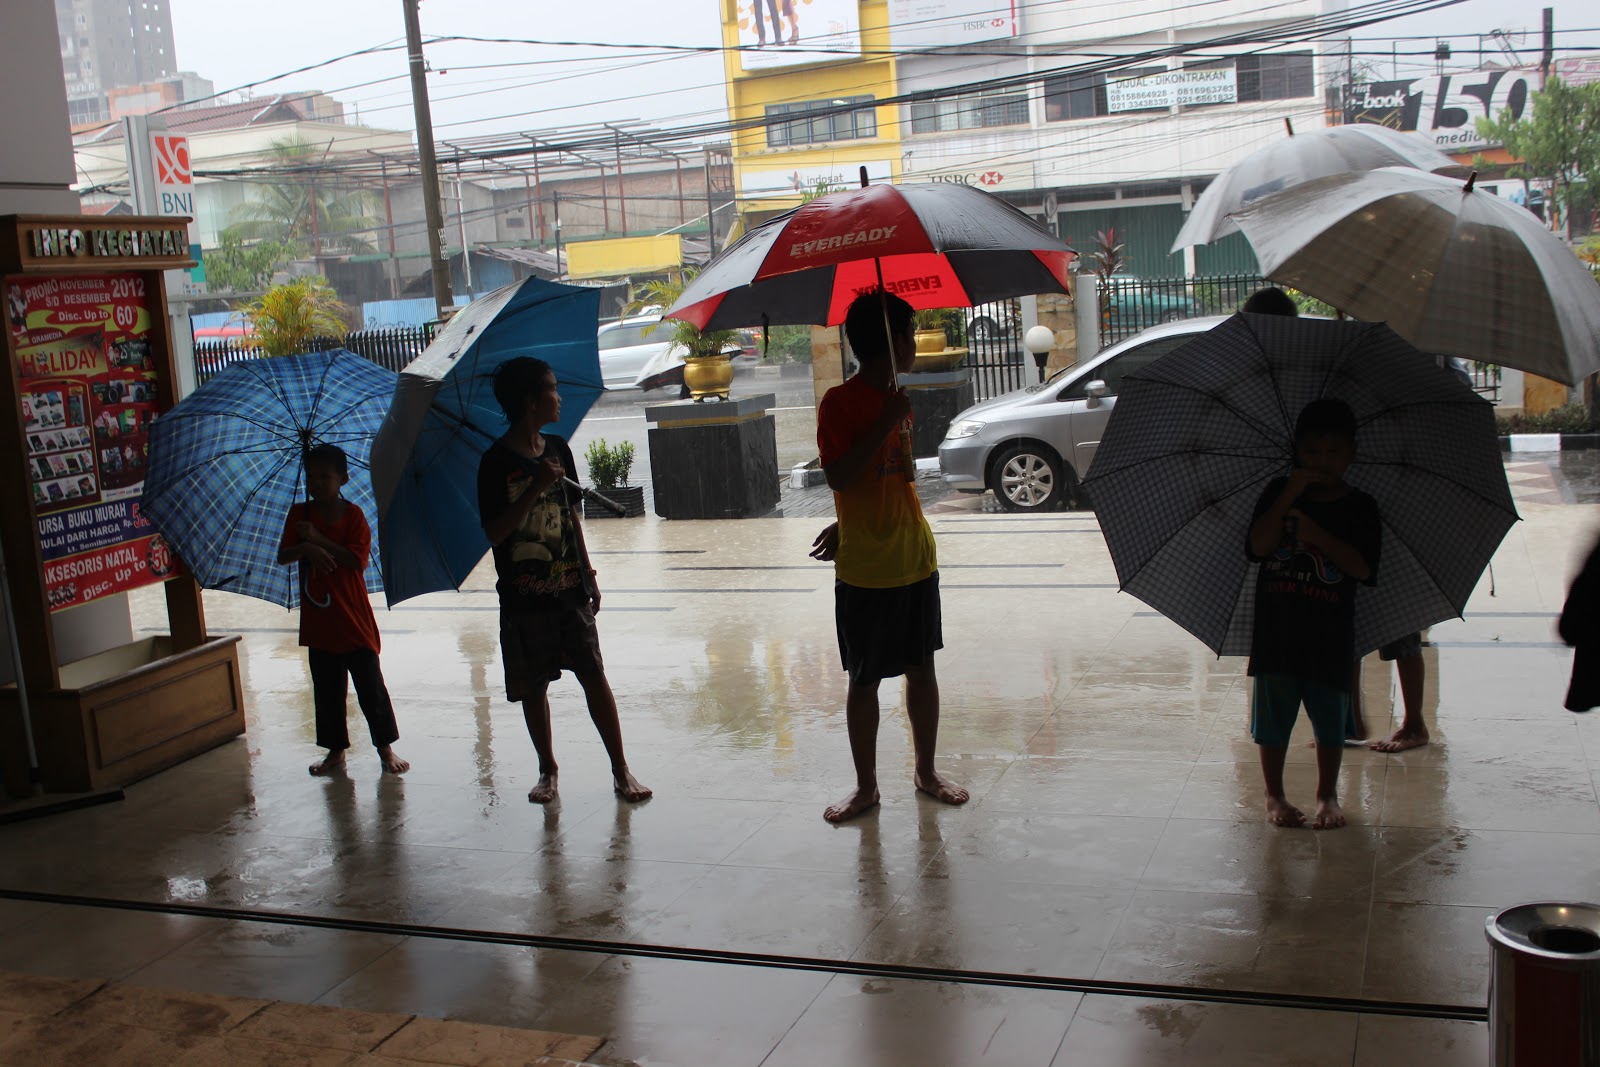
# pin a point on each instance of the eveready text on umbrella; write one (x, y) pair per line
(842, 240)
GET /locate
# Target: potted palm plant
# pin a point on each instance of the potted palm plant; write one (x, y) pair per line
(936, 329)
(609, 467)
(707, 367)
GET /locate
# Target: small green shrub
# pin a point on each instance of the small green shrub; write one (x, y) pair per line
(609, 465)
(785, 344)
(1574, 418)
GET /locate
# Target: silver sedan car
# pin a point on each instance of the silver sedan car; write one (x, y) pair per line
(1031, 446)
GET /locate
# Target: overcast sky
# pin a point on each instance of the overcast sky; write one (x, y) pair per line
(233, 44)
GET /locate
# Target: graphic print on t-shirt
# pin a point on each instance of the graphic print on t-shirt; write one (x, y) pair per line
(546, 563)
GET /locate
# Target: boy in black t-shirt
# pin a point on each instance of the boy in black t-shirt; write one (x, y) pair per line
(1315, 537)
(548, 590)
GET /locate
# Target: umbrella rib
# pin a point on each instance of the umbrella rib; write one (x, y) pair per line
(1499, 505)
(1226, 453)
(1237, 488)
(1245, 419)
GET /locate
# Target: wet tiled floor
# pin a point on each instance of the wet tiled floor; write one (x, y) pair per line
(1115, 832)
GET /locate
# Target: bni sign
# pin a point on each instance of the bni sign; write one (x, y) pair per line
(169, 161)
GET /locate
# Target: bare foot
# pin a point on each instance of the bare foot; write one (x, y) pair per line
(1282, 813)
(544, 791)
(626, 786)
(857, 802)
(1401, 740)
(391, 763)
(332, 763)
(1329, 816)
(940, 788)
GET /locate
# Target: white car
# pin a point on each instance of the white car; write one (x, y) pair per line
(639, 346)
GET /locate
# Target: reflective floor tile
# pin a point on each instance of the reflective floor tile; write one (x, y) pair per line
(1128, 1032)
(265, 960)
(879, 1021)
(1428, 953)
(1221, 856)
(1395, 1041)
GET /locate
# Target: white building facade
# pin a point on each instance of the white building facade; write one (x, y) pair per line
(1127, 149)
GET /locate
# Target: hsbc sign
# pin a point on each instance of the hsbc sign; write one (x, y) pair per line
(990, 179)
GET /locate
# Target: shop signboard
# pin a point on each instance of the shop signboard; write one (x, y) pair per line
(787, 33)
(1173, 88)
(88, 392)
(944, 23)
(1446, 107)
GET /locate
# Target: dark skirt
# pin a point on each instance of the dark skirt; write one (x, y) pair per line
(884, 631)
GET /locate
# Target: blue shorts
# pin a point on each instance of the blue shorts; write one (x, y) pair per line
(1276, 704)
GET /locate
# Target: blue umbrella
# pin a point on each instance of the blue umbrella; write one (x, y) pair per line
(444, 415)
(226, 463)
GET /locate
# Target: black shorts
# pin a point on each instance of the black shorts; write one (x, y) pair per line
(884, 631)
(538, 645)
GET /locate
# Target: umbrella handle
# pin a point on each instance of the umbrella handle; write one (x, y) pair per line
(606, 502)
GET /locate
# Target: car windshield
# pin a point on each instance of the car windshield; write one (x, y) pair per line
(630, 335)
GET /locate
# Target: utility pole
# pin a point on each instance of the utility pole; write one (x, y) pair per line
(711, 208)
(430, 166)
(1549, 44)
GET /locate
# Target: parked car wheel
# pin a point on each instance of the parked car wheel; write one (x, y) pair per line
(983, 328)
(1029, 477)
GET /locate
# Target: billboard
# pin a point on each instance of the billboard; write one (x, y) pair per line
(942, 23)
(1444, 107)
(792, 181)
(1173, 88)
(88, 383)
(787, 33)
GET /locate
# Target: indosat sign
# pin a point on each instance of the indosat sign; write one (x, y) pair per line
(1446, 107)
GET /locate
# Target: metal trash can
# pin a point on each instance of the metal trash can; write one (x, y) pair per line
(1544, 986)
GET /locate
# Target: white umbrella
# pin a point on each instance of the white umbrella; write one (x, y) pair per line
(1452, 269)
(1300, 158)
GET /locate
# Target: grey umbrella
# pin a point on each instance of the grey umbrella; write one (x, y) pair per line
(1196, 436)
(1301, 157)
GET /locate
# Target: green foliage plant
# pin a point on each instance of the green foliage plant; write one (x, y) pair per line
(1559, 139)
(240, 266)
(609, 465)
(1574, 418)
(286, 318)
(664, 292)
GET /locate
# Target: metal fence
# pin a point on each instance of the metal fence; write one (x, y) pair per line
(1128, 305)
(390, 346)
(992, 336)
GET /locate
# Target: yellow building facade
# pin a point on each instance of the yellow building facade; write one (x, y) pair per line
(804, 87)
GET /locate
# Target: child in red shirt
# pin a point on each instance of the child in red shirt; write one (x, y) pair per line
(330, 539)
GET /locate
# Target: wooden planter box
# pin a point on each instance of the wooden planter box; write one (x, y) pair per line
(129, 712)
(629, 496)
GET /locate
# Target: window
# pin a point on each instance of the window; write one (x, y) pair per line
(816, 121)
(1083, 96)
(969, 111)
(1279, 76)
(633, 334)
(1114, 370)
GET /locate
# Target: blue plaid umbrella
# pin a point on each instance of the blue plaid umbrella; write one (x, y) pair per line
(225, 464)
(444, 415)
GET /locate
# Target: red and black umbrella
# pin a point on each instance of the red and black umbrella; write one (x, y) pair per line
(936, 245)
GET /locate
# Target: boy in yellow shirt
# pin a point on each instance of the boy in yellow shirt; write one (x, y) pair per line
(886, 593)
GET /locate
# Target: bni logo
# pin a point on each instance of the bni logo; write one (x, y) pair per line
(172, 160)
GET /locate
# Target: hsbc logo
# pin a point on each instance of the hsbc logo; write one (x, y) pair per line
(988, 177)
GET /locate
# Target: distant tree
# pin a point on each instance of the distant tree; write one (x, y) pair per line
(236, 267)
(294, 209)
(1558, 139)
(286, 318)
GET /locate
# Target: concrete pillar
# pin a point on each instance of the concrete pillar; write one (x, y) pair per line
(36, 177)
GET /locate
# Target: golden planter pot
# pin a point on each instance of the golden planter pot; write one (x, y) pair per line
(708, 376)
(940, 359)
(929, 341)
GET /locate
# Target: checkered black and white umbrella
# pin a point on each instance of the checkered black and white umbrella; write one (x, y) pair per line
(1195, 437)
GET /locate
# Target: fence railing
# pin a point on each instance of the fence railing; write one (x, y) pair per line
(390, 346)
(1128, 305)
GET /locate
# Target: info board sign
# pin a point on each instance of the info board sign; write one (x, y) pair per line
(88, 392)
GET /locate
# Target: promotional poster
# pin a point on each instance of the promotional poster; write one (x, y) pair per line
(88, 395)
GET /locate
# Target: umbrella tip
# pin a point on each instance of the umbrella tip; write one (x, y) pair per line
(863, 177)
(1288, 125)
(1471, 181)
